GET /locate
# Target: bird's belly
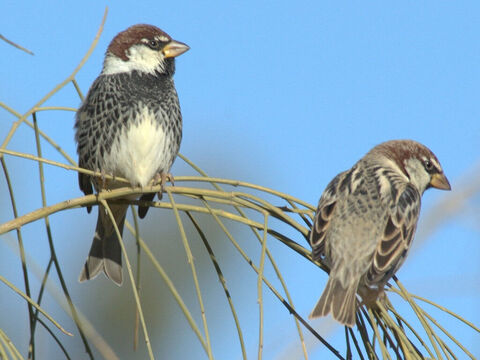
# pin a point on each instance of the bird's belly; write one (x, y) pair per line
(140, 151)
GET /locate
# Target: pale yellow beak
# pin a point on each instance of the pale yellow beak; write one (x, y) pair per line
(440, 181)
(174, 48)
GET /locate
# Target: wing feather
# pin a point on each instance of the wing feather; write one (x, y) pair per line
(397, 236)
(325, 209)
(91, 121)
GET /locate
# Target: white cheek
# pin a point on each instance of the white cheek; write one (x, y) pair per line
(141, 58)
(418, 175)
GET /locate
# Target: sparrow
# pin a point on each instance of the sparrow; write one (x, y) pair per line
(129, 126)
(366, 220)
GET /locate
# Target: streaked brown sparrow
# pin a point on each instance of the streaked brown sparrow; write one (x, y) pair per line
(366, 220)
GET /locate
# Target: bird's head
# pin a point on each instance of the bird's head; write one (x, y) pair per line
(417, 162)
(144, 48)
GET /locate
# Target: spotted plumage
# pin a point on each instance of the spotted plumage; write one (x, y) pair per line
(366, 220)
(130, 126)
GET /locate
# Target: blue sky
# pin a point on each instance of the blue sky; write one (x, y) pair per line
(282, 94)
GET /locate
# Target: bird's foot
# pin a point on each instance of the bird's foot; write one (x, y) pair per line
(370, 296)
(162, 178)
(100, 181)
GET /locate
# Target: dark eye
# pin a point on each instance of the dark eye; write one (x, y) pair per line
(153, 44)
(428, 166)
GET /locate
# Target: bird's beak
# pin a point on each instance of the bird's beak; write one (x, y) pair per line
(174, 48)
(440, 181)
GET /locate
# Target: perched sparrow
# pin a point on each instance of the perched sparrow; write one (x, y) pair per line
(365, 222)
(130, 126)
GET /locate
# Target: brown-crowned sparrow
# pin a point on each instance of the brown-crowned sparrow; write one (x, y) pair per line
(129, 125)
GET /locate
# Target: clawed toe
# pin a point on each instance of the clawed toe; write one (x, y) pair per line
(162, 178)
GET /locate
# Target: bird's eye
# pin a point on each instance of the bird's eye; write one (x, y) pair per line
(153, 44)
(428, 165)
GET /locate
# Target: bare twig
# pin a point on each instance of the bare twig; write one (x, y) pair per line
(16, 45)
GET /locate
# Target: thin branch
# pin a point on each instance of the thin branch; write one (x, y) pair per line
(259, 286)
(35, 305)
(53, 252)
(171, 287)
(20, 246)
(270, 286)
(221, 278)
(17, 123)
(16, 45)
(190, 260)
(132, 280)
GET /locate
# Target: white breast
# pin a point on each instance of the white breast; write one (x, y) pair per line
(139, 152)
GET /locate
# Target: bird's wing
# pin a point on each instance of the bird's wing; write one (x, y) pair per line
(397, 236)
(84, 180)
(91, 120)
(85, 183)
(324, 212)
(96, 120)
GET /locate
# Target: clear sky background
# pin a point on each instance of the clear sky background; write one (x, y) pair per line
(279, 93)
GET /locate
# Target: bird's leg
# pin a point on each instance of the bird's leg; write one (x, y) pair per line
(370, 296)
(103, 180)
(161, 178)
(101, 183)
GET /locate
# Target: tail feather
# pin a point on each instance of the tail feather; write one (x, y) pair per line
(94, 263)
(112, 251)
(338, 300)
(106, 253)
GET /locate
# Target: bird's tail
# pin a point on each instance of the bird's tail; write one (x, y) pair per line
(106, 253)
(339, 300)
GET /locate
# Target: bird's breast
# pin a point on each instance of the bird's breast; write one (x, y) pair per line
(143, 147)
